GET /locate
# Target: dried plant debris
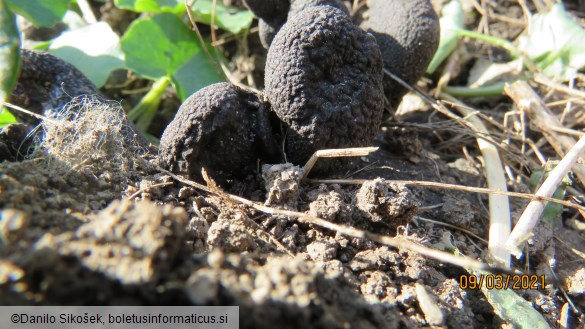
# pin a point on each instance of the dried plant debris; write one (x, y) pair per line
(90, 129)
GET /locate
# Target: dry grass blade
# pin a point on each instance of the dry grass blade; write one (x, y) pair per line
(335, 153)
(546, 81)
(32, 114)
(142, 190)
(468, 232)
(531, 215)
(87, 11)
(499, 205)
(434, 104)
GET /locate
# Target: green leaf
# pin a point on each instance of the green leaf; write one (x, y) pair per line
(197, 73)
(452, 19)
(158, 46)
(514, 309)
(556, 42)
(164, 46)
(144, 112)
(6, 117)
(152, 6)
(94, 49)
(9, 52)
(506, 303)
(552, 211)
(40, 12)
(228, 18)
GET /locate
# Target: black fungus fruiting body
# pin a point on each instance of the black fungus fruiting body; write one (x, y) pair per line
(297, 6)
(324, 81)
(46, 83)
(267, 30)
(221, 128)
(407, 32)
(268, 9)
(273, 14)
(15, 142)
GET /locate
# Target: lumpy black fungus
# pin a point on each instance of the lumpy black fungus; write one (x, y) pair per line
(15, 142)
(46, 83)
(274, 13)
(324, 81)
(222, 128)
(268, 9)
(297, 6)
(407, 32)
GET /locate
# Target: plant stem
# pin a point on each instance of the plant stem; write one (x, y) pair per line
(499, 205)
(515, 52)
(144, 112)
(491, 90)
(498, 42)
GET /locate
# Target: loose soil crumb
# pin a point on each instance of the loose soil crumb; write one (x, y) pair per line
(282, 183)
(386, 203)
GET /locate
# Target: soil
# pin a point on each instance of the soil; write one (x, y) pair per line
(77, 228)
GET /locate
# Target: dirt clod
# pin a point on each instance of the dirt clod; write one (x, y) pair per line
(293, 289)
(229, 233)
(387, 203)
(331, 206)
(282, 185)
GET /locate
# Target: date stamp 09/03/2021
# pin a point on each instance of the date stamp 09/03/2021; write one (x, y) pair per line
(502, 281)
